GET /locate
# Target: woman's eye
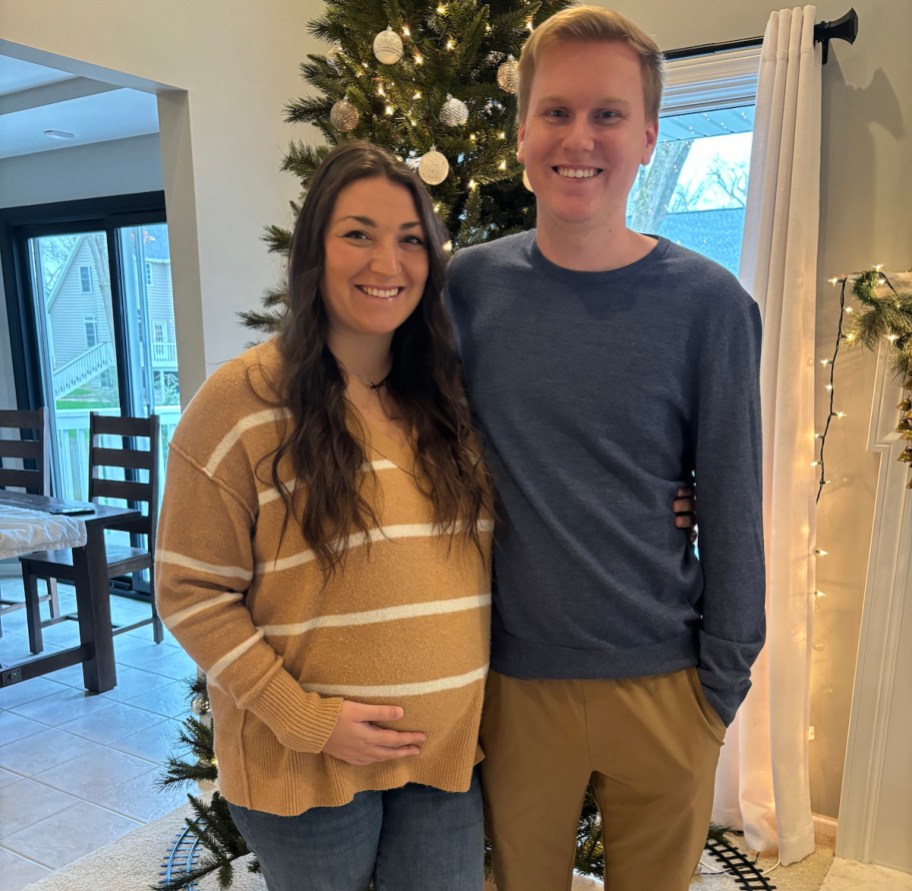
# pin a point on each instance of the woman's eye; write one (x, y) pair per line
(355, 234)
(414, 240)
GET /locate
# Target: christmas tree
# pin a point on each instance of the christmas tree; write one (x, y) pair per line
(435, 83)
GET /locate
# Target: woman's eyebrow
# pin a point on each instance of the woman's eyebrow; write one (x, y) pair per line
(367, 221)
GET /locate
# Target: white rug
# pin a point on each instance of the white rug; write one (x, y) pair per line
(133, 863)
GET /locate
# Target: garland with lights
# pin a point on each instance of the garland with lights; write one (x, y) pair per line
(884, 316)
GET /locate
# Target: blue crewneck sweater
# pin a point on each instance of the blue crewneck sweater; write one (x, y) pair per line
(598, 394)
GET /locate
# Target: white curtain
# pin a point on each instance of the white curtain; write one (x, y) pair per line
(762, 784)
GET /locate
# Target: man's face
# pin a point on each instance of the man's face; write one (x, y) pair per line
(585, 134)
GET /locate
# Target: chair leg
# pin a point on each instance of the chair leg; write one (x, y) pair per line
(53, 600)
(158, 630)
(32, 611)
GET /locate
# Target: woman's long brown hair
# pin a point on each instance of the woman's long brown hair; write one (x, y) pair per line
(424, 380)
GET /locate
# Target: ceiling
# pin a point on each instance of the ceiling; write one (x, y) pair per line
(35, 99)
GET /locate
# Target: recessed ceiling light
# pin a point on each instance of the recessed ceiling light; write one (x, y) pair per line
(59, 134)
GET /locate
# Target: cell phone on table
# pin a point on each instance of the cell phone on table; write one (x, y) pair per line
(74, 511)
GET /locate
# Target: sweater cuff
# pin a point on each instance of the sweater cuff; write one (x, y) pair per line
(301, 721)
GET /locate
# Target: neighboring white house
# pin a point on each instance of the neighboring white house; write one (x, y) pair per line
(79, 319)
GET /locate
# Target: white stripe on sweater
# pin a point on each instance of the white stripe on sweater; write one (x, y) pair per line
(395, 691)
(233, 655)
(176, 559)
(268, 416)
(182, 615)
(403, 530)
(387, 614)
(269, 495)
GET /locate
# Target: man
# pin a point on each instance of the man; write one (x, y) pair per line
(606, 368)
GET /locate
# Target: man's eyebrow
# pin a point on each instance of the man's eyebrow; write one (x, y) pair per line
(367, 221)
(565, 100)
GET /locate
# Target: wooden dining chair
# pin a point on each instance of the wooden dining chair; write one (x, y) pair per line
(126, 473)
(24, 466)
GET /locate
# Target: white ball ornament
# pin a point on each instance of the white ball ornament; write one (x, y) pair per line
(433, 167)
(344, 116)
(388, 47)
(508, 75)
(454, 112)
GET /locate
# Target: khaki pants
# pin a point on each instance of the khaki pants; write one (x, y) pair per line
(649, 747)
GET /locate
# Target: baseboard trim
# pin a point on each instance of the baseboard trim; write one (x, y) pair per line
(825, 827)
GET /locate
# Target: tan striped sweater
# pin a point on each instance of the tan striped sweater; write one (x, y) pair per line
(406, 621)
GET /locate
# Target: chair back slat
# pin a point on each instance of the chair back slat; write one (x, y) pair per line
(22, 448)
(133, 458)
(115, 425)
(30, 480)
(28, 445)
(126, 490)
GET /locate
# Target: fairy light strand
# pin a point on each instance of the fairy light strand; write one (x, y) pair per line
(831, 389)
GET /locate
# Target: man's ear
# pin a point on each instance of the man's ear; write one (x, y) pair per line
(652, 136)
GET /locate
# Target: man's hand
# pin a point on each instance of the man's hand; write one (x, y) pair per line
(685, 509)
(356, 740)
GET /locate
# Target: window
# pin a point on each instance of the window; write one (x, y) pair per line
(91, 331)
(148, 267)
(85, 323)
(694, 190)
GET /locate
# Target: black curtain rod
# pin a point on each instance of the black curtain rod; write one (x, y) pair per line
(845, 28)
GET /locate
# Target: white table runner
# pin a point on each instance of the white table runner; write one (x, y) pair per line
(23, 530)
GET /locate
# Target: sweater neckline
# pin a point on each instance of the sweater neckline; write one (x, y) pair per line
(374, 440)
(542, 263)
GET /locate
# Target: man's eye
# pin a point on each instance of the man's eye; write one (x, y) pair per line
(607, 115)
(555, 113)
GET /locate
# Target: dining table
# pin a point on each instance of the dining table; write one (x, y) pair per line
(35, 522)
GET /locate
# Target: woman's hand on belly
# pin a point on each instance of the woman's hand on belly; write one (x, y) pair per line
(356, 740)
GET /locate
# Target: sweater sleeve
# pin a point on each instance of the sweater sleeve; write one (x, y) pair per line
(204, 567)
(727, 460)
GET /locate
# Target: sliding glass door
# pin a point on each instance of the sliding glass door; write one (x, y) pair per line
(95, 315)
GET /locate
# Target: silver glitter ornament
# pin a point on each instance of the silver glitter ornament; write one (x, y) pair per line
(508, 75)
(388, 47)
(344, 116)
(199, 705)
(433, 167)
(454, 112)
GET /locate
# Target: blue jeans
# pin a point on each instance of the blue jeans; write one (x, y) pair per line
(410, 839)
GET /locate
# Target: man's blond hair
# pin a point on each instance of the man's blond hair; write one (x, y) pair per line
(594, 24)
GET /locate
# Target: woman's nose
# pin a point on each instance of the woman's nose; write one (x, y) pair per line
(385, 258)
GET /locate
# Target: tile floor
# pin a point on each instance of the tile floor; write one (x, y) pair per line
(79, 771)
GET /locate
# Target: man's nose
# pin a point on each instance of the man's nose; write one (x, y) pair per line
(579, 134)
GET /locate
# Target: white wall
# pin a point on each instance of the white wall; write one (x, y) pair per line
(223, 70)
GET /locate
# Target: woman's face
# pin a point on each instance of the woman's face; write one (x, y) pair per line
(376, 259)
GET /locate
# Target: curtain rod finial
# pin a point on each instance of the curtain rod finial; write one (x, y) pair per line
(844, 28)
